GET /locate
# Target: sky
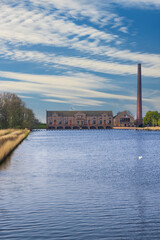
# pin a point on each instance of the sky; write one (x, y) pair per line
(80, 54)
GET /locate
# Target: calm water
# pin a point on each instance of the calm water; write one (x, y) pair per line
(81, 185)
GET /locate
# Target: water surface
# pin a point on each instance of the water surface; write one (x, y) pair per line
(81, 185)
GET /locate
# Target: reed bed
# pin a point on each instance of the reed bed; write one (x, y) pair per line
(157, 128)
(10, 140)
(152, 128)
(6, 131)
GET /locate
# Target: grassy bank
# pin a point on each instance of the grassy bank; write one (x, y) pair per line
(9, 140)
(139, 128)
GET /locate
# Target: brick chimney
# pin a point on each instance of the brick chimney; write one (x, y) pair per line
(139, 97)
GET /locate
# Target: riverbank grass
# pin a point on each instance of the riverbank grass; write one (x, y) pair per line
(9, 140)
(157, 128)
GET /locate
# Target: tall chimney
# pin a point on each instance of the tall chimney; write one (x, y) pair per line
(139, 97)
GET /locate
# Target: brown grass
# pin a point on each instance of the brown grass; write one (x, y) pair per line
(6, 131)
(139, 128)
(10, 139)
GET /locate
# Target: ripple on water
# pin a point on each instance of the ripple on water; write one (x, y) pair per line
(82, 185)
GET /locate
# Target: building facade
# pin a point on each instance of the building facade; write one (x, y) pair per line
(123, 119)
(79, 119)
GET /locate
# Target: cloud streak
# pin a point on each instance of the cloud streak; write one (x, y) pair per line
(62, 89)
(21, 25)
(150, 67)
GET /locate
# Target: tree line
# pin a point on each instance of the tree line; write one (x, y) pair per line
(14, 114)
(152, 118)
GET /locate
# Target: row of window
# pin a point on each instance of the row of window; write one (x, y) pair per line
(78, 116)
(122, 120)
(80, 122)
(66, 119)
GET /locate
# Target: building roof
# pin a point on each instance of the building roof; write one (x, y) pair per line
(71, 113)
(124, 113)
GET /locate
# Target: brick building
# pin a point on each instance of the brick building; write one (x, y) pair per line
(79, 119)
(123, 119)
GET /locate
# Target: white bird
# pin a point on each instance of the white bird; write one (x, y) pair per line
(140, 157)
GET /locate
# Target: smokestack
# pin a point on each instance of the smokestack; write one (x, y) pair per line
(139, 97)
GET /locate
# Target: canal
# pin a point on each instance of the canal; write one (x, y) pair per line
(81, 185)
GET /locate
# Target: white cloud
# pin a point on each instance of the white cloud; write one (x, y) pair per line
(39, 26)
(62, 87)
(80, 89)
(78, 102)
(150, 68)
(123, 29)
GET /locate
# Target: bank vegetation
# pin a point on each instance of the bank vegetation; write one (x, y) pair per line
(9, 140)
(14, 113)
(152, 119)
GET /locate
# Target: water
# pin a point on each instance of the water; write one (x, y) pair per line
(81, 185)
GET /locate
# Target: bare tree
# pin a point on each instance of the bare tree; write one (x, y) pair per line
(14, 114)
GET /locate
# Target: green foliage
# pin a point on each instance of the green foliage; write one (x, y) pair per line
(14, 114)
(152, 118)
(42, 126)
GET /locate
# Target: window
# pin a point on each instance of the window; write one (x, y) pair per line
(66, 121)
(122, 120)
(93, 121)
(50, 122)
(77, 122)
(100, 121)
(60, 122)
(109, 121)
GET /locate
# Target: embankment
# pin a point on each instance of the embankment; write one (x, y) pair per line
(9, 140)
(138, 128)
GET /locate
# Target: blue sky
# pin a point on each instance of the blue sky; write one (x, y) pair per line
(80, 55)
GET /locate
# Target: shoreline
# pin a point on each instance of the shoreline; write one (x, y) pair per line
(138, 128)
(9, 141)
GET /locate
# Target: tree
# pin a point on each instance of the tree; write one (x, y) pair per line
(151, 118)
(14, 114)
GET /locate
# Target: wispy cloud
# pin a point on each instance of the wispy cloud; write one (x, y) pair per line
(150, 67)
(81, 89)
(39, 26)
(34, 23)
(76, 36)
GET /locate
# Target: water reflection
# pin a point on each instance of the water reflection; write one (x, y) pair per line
(82, 185)
(6, 163)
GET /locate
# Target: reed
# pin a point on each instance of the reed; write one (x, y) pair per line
(6, 131)
(10, 140)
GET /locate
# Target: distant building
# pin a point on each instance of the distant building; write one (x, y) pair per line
(123, 119)
(79, 119)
